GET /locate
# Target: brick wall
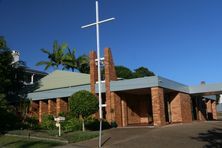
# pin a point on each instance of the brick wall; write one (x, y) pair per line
(158, 106)
(52, 107)
(209, 110)
(110, 74)
(124, 112)
(34, 108)
(117, 109)
(61, 105)
(43, 109)
(133, 109)
(93, 71)
(180, 108)
(214, 110)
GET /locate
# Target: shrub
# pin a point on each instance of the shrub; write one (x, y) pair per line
(9, 121)
(113, 124)
(83, 103)
(32, 123)
(48, 122)
(71, 124)
(93, 124)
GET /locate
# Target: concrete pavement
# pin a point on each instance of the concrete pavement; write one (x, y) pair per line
(195, 135)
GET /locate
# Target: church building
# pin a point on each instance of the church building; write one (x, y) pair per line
(147, 101)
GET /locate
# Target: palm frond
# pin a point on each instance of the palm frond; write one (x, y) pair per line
(45, 51)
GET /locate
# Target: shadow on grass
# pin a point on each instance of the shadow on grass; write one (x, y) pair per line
(213, 137)
(23, 143)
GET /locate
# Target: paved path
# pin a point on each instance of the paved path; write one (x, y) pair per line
(191, 135)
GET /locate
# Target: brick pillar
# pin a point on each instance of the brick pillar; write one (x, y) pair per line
(117, 112)
(209, 109)
(43, 109)
(61, 105)
(124, 112)
(34, 108)
(158, 106)
(181, 108)
(214, 109)
(52, 107)
(93, 71)
(110, 74)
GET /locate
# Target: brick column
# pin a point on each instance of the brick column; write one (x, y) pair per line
(214, 110)
(34, 108)
(61, 105)
(124, 112)
(158, 106)
(110, 74)
(209, 109)
(93, 71)
(43, 109)
(181, 108)
(51, 107)
(117, 112)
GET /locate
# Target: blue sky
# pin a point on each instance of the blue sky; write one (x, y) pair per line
(177, 39)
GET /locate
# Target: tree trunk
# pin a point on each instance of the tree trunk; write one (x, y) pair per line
(83, 123)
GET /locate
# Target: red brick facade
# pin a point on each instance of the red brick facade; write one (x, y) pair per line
(158, 106)
(181, 108)
(93, 71)
(110, 74)
(43, 109)
(61, 105)
(214, 110)
(52, 107)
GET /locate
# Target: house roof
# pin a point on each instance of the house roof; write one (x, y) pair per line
(64, 84)
(62, 79)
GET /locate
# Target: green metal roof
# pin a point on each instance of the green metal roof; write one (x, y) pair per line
(64, 84)
(62, 79)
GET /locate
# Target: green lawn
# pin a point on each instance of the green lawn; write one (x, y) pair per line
(17, 142)
(22, 142)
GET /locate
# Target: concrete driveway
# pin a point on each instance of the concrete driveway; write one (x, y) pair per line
(195, 135)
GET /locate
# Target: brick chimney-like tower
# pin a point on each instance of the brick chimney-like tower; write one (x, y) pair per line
(110, 74)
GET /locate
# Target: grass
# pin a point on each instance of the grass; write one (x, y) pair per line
(17, 142)
(71, 137)
(80, 136)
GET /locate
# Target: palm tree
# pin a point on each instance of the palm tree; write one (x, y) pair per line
(56, 57)
(71, 62)
(83, 63)
(68, 60)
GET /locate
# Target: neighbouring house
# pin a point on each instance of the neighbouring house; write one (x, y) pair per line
(151, 100)
(29, 79)
(30, 75)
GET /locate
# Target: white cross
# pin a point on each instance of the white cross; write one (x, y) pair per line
(98, 57)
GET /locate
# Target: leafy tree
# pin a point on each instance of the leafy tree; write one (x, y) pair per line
(3, 44)
(123, 72)
(83, 104)
(10, 86)
(142, 72)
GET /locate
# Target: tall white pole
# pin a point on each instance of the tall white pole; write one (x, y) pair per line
(98, 62)
(99, 74)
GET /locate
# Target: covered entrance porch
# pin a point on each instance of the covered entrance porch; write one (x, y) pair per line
(154, 106)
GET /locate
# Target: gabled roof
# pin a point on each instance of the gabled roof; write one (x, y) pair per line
(62, 79)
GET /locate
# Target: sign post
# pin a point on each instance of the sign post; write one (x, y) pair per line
(58, 120)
